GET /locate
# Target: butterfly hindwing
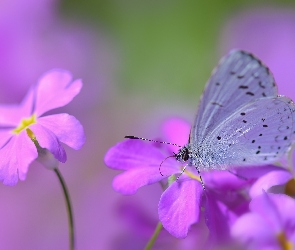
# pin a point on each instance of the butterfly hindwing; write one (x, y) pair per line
(256, 134)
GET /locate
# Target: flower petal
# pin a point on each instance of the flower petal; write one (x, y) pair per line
(268, 180)
(66, 128)
(128, 182)
(16, 157)
(179, 206)
(131, 154)
(253, 229)
(55, 89)
(218, 216)
(47, 139)
(5, 135)
(224, 180)
(286, 212)
(183, 130)
(266, 208)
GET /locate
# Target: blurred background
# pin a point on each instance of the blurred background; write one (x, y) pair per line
(141, 62)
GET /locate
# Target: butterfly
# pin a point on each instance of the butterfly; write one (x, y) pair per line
(241, 119)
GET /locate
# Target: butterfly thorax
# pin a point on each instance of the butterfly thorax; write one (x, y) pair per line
(202, 156)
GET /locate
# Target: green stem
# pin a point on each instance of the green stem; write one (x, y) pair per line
(69, 208)
(151, 242)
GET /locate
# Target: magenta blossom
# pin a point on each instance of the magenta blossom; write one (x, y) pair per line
(276, 181)
(23, 128)
(270, 224)
(180, 204)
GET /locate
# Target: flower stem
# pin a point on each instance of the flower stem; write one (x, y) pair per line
(69, 208)
(151, 242)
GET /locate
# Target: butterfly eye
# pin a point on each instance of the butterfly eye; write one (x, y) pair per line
(185, 155)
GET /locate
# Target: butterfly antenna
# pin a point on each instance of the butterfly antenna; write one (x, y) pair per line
(163, 162)
(144, 139)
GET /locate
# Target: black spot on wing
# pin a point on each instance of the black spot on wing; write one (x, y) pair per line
(216, 103)
(243, 87)
(261, 85)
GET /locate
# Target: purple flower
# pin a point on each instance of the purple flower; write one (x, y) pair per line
(35, 37)
(270, 224)
(22, 127)
(276, 181)
(180, 203)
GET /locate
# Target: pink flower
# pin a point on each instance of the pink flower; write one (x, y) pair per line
(22, 128)
(180, 204)
(269, 224)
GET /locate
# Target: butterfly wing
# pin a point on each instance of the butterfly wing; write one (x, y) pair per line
(239, 78)
(256, 134)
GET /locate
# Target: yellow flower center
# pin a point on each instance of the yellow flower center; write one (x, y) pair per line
(24, 124)
(290, 188)
(284, 243)
(193, 176)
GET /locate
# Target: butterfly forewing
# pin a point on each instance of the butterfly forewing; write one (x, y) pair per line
(240, 78)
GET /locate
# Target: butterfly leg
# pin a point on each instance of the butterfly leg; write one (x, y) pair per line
(182, 171)
(198, 170)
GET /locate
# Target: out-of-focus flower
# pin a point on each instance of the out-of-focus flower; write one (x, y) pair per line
(23, 129)
(140, 225)
(276, 181)
(34, 37)
(141, 162)
(270, 224)
(180, 204)
(269, 34)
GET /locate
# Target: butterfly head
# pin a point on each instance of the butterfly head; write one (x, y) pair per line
(183, 154)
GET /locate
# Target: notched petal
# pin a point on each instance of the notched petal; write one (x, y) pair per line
(16, 156)
(179, 207)
(55, 89)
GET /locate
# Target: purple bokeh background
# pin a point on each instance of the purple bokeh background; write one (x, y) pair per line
(35, 37)
(269, 34)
